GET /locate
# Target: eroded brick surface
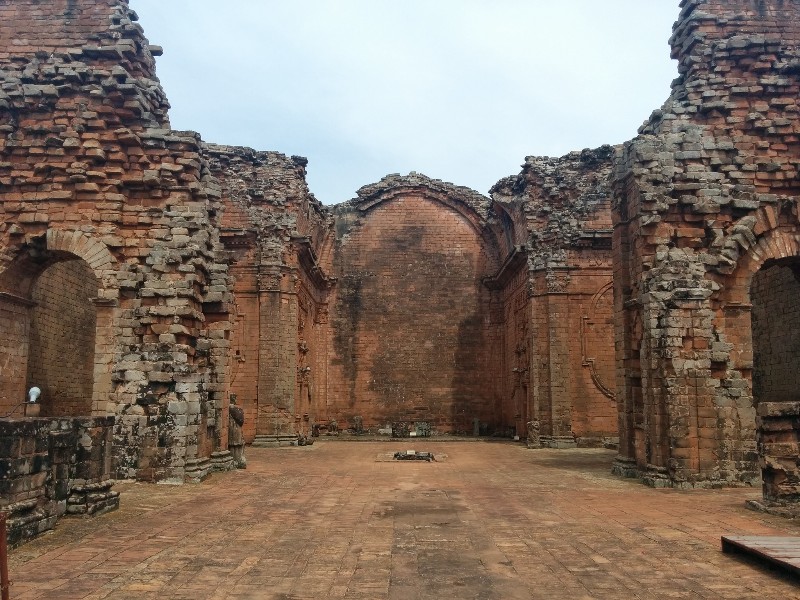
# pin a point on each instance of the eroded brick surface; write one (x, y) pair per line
(90, 170)
(558, 302)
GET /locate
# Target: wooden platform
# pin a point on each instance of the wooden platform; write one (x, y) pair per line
(782, 552)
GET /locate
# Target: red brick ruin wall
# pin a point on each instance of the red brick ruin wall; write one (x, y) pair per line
(581, 369)
(62, 339)
(514, 360)
(411, 329)
(14, 345)
(30, 26)
(274, 233)
(90, 169)
(219, 273)
(703, 198)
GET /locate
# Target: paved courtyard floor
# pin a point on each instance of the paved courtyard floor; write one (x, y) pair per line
(336, 520)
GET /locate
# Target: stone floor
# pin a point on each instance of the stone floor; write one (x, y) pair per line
(335, 520)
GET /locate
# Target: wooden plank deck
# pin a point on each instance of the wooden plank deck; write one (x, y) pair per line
(780, 551)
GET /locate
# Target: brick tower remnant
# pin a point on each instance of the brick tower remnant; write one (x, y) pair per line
(705, 257)
(91, 174)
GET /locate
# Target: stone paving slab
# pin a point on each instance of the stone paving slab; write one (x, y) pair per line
(495, 521)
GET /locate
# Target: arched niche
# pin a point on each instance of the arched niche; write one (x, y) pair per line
(57, 314)
(412, 321)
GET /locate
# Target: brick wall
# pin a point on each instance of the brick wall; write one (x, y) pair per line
(62, 339)
(410, 318)
(428, 318)
(776, 335)
(557, 212)
(512, 365)
(274, 231)
(29, 26)
(244, 356)
(595, 414)
(97, 174)
(49, 467)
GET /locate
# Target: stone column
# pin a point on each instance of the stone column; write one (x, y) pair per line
(559, 333)
(277, 364)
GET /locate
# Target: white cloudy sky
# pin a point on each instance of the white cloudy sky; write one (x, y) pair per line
(461, 90)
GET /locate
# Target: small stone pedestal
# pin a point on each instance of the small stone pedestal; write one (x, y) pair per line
(222, 461)
(92, 498)
(197, 469)
(625, 467)
(558, 441)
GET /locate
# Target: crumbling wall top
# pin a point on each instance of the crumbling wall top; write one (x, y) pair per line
(51, 50)
(266, 193)
(273, 179)
(563, 201)
(394, 184)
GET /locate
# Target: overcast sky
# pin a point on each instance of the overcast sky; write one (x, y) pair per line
(460, 90)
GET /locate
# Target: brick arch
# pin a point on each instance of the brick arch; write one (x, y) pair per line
(35, 255)
(63, 331)
(772, 429)
(776, 244)
(446, 195)
(94, 252)
(411, 315)
(469, 213)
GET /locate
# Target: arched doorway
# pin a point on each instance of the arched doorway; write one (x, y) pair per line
(774, 294)
(63, 323)
(58, 308)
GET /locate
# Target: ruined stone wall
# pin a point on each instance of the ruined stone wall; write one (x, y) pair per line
(244, 355)
(62, 339)
(559, 348)
(90, 169)
(703, 197)
(410, 326)
(273, 229)
(52, 467)
(514, 361)
(30, 26)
